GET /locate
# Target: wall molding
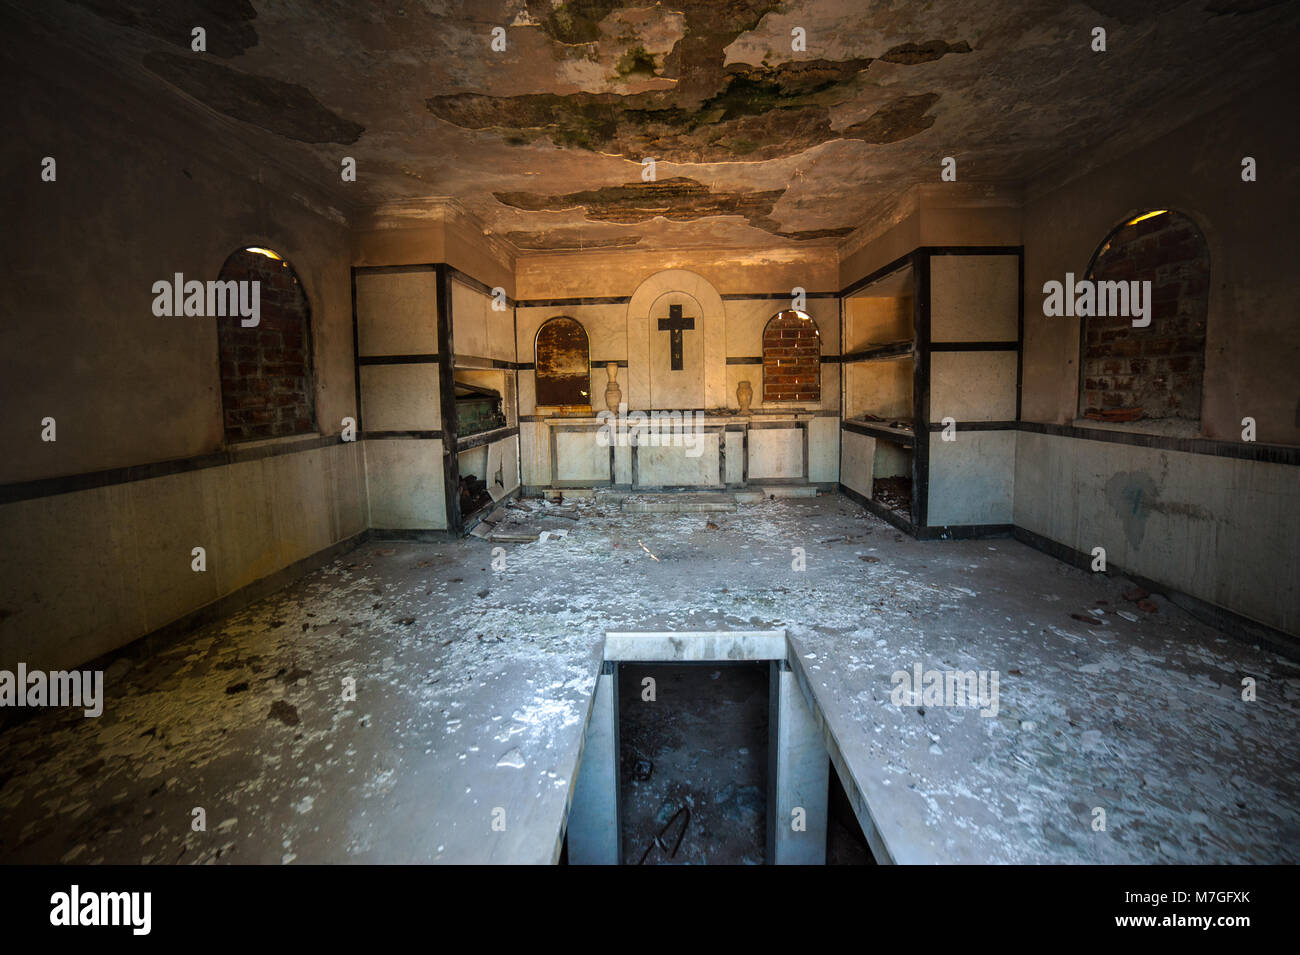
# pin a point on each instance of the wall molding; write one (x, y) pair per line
(1244, 450)
(88, 481)
(1288, 455)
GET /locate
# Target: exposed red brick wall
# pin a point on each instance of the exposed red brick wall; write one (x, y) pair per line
(1158, 368)
(792, 352)
(266, 384)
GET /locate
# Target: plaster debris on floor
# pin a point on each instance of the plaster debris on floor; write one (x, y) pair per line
(472, 690)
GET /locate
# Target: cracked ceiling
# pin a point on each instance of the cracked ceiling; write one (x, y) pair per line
(754, 143)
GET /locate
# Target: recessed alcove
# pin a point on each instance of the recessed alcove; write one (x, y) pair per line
(609, 818)
(693, 762)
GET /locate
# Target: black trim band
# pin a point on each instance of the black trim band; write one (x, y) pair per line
(71, 483)
(880, 352)
(773, 296)
(567, 302)
(482, 363)
(469, 442)
(878, 431)
(403, 435)
(482, 287)
(1245, 450)
(977, 425)
(974, 346)
(397, 360)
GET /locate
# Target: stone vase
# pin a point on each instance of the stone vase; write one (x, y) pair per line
(613, 393)
(744, 396)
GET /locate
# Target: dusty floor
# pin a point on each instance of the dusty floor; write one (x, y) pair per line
(472, 687)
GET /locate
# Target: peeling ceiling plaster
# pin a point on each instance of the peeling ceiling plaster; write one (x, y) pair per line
(755, 143)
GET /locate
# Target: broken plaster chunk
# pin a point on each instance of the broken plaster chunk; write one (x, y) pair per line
(513, 537)
(512, 759)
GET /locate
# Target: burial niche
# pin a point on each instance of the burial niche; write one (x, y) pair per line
(792, 355)
(266, 373)
(563, 363)
(1129, 372)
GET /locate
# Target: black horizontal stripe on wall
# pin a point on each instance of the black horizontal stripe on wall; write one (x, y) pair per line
(773, 296)
(469, 442)
(481, 363)
(70, 483)
(905, 438)
(879, 352)
(978, 425)
(403, 435)
(975, 346)
(464, 277)
(393, 269)
(566, 302)
(479, 286)
(397, 359)
(908, 258)
(1244, 450)
(972, 249)
(750, 360)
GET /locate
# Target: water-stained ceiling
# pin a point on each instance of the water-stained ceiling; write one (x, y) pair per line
(755, 142)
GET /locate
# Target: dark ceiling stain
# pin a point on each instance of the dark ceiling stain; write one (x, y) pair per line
(755, 113)
(226, 22)
(577, 21)
(714, 113)
(678, 199)
(909, 54)
(904, 117)
(559, 241)
(283, 108)
(805, 234)
(696, 60)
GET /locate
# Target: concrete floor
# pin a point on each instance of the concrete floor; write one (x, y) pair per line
(473, 687)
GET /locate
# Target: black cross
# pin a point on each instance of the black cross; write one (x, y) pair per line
(674, 324)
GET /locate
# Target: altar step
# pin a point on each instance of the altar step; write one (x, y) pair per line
(695, 502)
(683, 502)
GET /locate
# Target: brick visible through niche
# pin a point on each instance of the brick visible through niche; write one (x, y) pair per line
(266, 382)
(791, 358)
(1128, 367)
